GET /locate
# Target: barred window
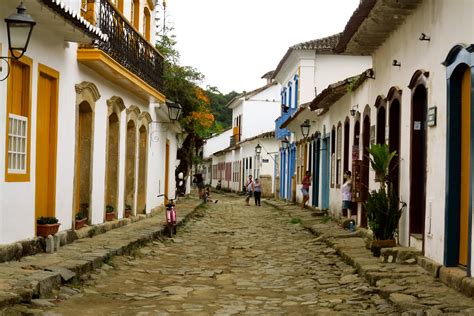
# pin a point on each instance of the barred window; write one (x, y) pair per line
(17, 140)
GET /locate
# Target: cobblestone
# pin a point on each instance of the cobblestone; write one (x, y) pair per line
(253, 261)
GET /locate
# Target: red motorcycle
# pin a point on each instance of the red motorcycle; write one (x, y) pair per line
(170, 215)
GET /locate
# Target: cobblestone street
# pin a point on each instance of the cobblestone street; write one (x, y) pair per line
(232, 260)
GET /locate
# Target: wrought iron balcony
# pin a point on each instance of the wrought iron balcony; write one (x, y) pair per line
(128, 47)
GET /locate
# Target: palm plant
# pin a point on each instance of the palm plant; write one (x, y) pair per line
(380, 159)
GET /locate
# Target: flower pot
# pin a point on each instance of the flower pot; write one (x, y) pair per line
(44, 230)
(379, 244)
(80, 223)
(110, 216)
(128, 213)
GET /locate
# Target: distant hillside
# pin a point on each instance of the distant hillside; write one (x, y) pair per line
(218, 102)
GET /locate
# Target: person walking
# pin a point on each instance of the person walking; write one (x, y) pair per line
(257, 191)
(249, 190)
(346, 191)
(305, 189)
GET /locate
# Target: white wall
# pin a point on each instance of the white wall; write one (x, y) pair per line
(332, 68)
(260, 112)
(217, 143)
(17, 215)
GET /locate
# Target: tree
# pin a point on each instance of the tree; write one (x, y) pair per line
(181, 86)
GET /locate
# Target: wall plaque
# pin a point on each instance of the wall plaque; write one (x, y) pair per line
(432, 116)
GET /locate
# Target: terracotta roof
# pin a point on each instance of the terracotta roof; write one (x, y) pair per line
(73, 18)
(371, 24)
(323, 45)
(270, 134)
(267, 75)
(337, 90)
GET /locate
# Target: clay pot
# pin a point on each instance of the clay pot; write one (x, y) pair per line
(80, 223)
(44, 230)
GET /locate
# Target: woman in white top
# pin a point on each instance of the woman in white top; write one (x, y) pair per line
(249, 190)
(346, 191)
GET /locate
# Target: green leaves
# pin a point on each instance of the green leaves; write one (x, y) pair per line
(380, 158)
(47, 220)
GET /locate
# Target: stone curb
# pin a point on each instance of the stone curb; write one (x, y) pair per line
(351, 248)
(37, 275)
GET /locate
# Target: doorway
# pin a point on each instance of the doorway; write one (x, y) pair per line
(111, 193)
(142, 167)
(325, 174)
(418, 162)
(365, 166)
(167, 170)
(46, 142)
(394, 143)
(316, 162)
(130, 156)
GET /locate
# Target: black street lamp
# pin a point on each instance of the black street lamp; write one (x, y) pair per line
(305, 128)
(258, 150)
(19, 28)
(284, 143)
(174, 110)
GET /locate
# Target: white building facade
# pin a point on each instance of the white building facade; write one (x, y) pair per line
(253, 116)
(94, 133)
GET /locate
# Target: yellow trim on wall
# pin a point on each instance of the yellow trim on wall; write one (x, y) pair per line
(12, 177)
(94, 54)
(150, 5)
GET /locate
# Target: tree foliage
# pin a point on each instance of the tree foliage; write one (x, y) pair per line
(200, 107)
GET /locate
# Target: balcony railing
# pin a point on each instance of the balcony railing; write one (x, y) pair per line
(126, 46)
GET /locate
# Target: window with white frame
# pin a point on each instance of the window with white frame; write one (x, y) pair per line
(17, 143)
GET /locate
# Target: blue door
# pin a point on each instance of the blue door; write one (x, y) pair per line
(325, 174)
(316, 161)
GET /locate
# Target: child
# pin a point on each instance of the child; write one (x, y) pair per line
(207, 196)
(305, 188)
(346, 191)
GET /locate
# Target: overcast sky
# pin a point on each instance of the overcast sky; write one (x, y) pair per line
(233, 43)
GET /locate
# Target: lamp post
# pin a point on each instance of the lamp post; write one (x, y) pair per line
(284, 143)
(19, 28)
(305, 128)
(258, 151)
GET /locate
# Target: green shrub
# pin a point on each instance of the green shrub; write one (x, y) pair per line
(42, 220)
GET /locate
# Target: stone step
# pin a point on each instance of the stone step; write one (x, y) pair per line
(404, 255)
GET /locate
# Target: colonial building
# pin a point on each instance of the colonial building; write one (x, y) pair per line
(86, 123)
(250, 146)
(305, 70)
(418, 100)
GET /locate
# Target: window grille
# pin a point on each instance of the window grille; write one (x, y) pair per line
(17, 146)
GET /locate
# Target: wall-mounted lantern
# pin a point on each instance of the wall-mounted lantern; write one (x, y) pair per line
(305, 128)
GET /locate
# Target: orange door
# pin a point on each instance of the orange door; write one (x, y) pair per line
(46, 127)
(465, 166)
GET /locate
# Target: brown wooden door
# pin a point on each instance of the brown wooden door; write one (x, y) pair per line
(465, 166)
(418, 161)
(365, 166)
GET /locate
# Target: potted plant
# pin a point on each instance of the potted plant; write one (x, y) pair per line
(80, 220)
(109, 213)
(380, 159)
(383, 207)
(47, 225)
(128, 211)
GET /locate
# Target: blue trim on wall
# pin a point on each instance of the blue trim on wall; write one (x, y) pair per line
(325, 173)
(457, 57)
